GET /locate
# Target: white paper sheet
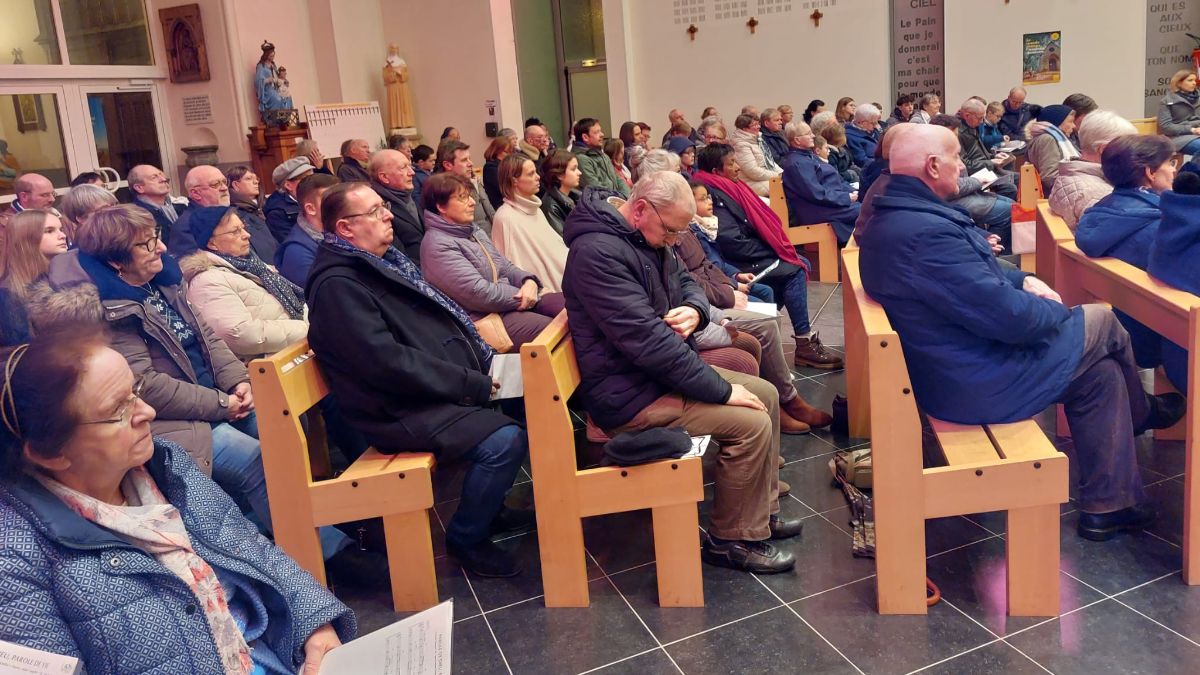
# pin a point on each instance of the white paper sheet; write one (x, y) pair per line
(985, 176)
(507, 369)
(20, 660)
(766, 308)
(418, 645)
(758, 277)
(699, 445)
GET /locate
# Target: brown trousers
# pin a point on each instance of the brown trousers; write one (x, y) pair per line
(747, 468)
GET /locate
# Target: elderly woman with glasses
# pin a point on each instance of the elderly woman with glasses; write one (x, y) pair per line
(117, 550)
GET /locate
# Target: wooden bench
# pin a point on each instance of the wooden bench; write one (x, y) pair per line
(1029, 192)
(1146, 126)
(395, 487)
(565, 494)
(821, 234)
(1168, 311)
(994, 467)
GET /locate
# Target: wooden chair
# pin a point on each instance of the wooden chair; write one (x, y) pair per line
(1168, 311)
(1029, 192)
(565, 494)
(995, 467)
(395, 487)
(821, 234)
(1146, 126)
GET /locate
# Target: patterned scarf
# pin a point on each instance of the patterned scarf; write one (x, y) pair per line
(288, 294)
(399, 264)
(179, 326)
(155, 526)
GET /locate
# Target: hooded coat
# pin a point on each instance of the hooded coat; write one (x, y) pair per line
(617, 290)
(978, 348)
(1172, 260)
(1079, 185)
(1046, 153)
(815, 193)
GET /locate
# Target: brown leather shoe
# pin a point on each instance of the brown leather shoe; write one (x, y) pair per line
(799, 410)
(811, 353)
(791, 425)
(784, 489)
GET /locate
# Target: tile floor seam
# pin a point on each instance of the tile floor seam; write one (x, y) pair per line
(632, 609)
(810, 626)
(829, 590)
(1154, 621)
(488, 623)
(1089, 586)
(825, 304)
(993, 633)
(1162, 539)
(955, 656)
(1146, 583)
(622, 660)
(720, 626)
(958, 548)
(1054, 618)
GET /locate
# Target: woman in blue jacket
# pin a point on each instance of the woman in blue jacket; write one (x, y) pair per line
(1173, 259)
(1123, 225)
(117, 550)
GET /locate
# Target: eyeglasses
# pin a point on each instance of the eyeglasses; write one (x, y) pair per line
(125, 413)
(237, 233)
(218, 184)
(668, 232)
(376, 212)
(150, 244)
(465, 197)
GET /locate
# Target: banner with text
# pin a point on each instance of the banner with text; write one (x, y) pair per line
(918, 48)
(1168, 47)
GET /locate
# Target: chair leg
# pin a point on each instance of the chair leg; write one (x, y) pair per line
(900, 561)
(298, 538)
(677, 555)
(564, 565)
(410, 561)
(1033, 561)
(828, 248)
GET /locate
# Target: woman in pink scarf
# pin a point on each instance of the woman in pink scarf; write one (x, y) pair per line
(751, 238)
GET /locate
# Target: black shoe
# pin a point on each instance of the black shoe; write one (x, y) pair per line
(1104, 526)
(1165, 411)
(485, 559)
(758, 557)
(785, 529)
(512, 520)
(353, 566)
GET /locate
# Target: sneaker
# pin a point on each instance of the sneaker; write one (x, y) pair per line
(1105, 526)
(485, 559)
(791, 425)
(512, 520)
(785, 529)
(800, 410)
(811, 353)
(758, 557)
(354, 566)
(1165, 411)
(784, 489)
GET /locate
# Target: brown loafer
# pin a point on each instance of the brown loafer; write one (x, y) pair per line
(811, 353)
(784, 489)
(799, 410)
(791, 425)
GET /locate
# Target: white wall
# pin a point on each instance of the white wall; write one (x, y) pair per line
(788, 60)
(361, 50)
(1103, 50)
(285, 24)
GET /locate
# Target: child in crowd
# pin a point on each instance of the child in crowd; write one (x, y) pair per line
(989, 133)
(705, 227)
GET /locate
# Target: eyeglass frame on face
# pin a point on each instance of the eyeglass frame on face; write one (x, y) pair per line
(374, 213)
(667, 232)
(216, 184)
(124, 414)
(150, 244)
(239, 231)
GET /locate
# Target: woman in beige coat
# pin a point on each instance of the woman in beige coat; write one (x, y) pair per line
(757, 166)
(520, 229)
(246, 302)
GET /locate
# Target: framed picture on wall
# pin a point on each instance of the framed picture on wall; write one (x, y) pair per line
(183, 32)
(30, 116)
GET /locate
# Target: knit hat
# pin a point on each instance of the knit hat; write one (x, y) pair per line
(641, 447)
(290, 169)
(203, 220)
(1054, 114)
(680, 144)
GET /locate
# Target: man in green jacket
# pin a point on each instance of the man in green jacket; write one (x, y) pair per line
(596, 167)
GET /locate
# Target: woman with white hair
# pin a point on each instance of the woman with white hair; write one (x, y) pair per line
(862, 134)
(1081, 182)
(822, 120)
(659, 159)
(928, 106)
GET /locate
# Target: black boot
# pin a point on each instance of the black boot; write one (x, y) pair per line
(485, 559)
(1165, 411)
(1105, 526)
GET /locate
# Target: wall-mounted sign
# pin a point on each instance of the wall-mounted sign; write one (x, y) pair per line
(918, 47)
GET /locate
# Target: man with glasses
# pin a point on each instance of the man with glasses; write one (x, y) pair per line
(152, 191)
(391, 174)
(634, 309)
(976, 156)
(990, 345)
(413, 373)
(206, 186)
(814, 190)
(282, 208)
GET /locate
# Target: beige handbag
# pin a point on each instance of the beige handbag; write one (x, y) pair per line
(491, 327)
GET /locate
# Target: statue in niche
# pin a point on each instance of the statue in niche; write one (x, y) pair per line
(273, 91)
(400, 103)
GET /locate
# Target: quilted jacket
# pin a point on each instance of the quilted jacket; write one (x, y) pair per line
(73, 588)
(453, 259)
(1079, 185)
(238, 308)
(753, 161)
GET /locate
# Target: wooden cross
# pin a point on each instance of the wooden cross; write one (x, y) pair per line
(816, 17)
(692, 30)
(753, 24)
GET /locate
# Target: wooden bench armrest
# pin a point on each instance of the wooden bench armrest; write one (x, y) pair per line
(614, 489)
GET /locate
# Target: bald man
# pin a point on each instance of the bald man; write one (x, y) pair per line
(206, 186)
(1017, 113)
(987, 346)
(392, 179)
(34, 191)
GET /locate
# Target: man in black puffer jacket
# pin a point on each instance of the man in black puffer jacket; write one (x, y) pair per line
(633, 309)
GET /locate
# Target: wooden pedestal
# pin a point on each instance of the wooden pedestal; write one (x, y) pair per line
(271, 147)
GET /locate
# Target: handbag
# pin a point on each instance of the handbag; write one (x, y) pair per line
(491, 327)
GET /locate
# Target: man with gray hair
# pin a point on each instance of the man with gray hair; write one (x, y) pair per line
(206, 186)
(975, 155)
(1017, 113)
(814, 190)
(659, 159)
(151, 190)
(634, 309)
(862, 134)
(356, 152)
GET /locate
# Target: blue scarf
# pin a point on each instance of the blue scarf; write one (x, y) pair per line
(399, 264)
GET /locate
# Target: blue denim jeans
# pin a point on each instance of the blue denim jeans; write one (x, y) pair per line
(494, 466)
(238, 469)
(794, 289)
(762, 293)
(1192, 148)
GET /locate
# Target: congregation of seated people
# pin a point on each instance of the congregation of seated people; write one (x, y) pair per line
(127, 329)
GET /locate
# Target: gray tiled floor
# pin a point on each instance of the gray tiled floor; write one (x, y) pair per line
(1124, 607)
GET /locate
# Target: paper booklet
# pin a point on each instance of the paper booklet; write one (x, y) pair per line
(507, 369)
(699, 445)
(985, 176)
(758, 277)
(762, 308)
(418, 645)
(20, 660)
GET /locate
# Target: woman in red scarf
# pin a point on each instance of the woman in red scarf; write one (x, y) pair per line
(751, 237)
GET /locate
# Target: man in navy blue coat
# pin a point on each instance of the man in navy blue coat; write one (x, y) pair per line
(862, 134)
(815, 190)
(989, 345)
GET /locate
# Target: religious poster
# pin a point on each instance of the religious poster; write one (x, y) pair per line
(1041, 58)
(1168, 45)
(918, 48)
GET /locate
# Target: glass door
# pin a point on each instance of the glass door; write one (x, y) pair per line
(34, 133)
(123, 127)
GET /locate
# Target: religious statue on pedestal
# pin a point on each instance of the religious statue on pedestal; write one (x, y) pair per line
(400, 104)
(272, 91)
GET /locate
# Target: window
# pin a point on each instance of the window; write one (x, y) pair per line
(31, 139)
(106, 32)
(27, 33)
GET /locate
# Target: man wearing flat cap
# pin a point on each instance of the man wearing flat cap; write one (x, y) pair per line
(282, 207)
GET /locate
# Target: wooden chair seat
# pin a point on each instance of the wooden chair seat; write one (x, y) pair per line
(565, 494)
(398, 488)
(995, 467)
(821, 234)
